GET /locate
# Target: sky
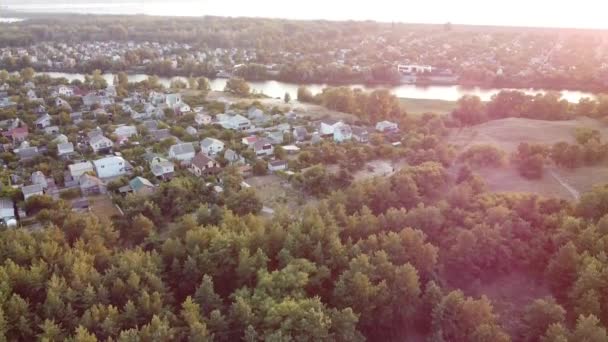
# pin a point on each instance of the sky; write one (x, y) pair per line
(537, 13)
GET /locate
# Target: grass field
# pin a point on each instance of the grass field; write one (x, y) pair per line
(276, 192)
(507, 134)
(421, 106)
(102, 206)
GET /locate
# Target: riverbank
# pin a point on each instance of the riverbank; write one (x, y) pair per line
(276, 89)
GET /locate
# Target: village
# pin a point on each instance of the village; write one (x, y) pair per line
(78, 145)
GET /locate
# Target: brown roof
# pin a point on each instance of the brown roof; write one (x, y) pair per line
(201, 160)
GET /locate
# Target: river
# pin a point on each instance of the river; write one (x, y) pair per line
(278, 89)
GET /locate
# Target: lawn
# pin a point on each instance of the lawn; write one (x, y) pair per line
(102, 206)
(276, 192)
(421, 106)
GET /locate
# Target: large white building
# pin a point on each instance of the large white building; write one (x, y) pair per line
(111, 167)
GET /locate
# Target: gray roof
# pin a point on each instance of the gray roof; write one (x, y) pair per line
(65, 147)
(43, 118)
(210, 141)
(182, 148)
(28, 152)
(6, 203)
(32, 189)
(99, 138)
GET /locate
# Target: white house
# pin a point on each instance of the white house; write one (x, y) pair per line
(76, 170)
(203, 119)
(342, 132)
(7, 212)
(235, 122)
(162, 168)
(328, 127)
(100, 143)
(43, 121)
(39, 178)
(125, 132)
(182, 152)
(277, 165)
(111, 167)
(263, 147)
(386, 126)
(232, 157)
(63, 90)
(211, 146)
(173, 100)
(65, 149)
(32, 190)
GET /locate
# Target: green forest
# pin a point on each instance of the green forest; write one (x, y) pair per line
(379, 260)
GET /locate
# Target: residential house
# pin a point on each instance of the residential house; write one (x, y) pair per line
(124, 133)
(32, 190)
(78, 169)
(7, 212)
(91, 185)
(160, 134)
(277, 165)
(51, 130)
(191, 130)
(39, 178)
(162, 168)
(182, 152)
(61, 103)
(110, 167)
(275, 137)
(60, 139)
(100, 143)
(250, 140)
(342, 133)
(6, 102)
(173, 100)
(141, 186)
(211, 146)
(203, 119)
(150, 125)
(28, 153)
(63, 90)
(31, 95)
(18, 134)
(328, 126)
(263, 147)
(235, 122)
(257, 116)
(76, 117)
(65, 149)
(386, 126)
(202, 165)
(43, 121)
(300, 134)
(232, 157)
(360, 134)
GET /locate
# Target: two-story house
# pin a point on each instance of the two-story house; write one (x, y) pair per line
(203, 165)
(100, 143)
(110, 167)
(182, 152)
(211, 146)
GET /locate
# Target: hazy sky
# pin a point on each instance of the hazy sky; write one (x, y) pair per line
(554, 13)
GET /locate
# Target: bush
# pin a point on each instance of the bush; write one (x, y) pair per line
(483, 156)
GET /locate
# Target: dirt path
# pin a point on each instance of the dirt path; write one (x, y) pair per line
(575, 193)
